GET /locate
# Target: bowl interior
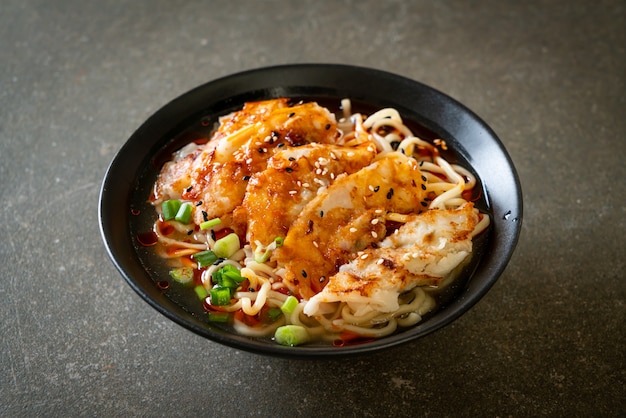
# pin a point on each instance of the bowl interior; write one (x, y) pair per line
(124, 211)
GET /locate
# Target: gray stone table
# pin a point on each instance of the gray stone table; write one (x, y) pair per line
(78, 77)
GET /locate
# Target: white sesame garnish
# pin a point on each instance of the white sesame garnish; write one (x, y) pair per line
(350, 154)
(374, 234)
(364, 256)
(249, 161)
(380, 261)
(333, 156)
(353, 230)
(315, 244)
(374, 221)
(292, 192)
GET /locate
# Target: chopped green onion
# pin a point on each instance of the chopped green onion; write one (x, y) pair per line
(205, 258)
(289, 304)
(227, 246)
(218, 316)
(279, 241)
(291, 335)
(274, 314)
(201, 292)
(228, 276)
(210, 223)
(170, 208)
(184, 213)
(220, 296)
(182, 275)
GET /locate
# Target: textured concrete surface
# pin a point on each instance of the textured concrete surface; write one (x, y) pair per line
(78, 77)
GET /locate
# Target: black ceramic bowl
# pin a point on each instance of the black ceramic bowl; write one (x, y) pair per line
(123, 210)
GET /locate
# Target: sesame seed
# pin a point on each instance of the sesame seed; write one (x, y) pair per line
(293, 192)
(353, 230)
(370, 187)
(374, 221)
(304, 273)
(378, 211)
(364, 256)
(390, 193)
(315, 244)
(376, 189)
(350, 154)
(318, 171)
(333, 156)
(423, 186)
(258, 143)
(332, 176)
(249, 161)
(380, 261)
(374, 234)
(306, 185)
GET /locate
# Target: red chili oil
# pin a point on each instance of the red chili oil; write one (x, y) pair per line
(147, 239)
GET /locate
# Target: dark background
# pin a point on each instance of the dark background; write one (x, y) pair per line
(78, 77)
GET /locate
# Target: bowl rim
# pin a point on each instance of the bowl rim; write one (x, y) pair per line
(429, 106)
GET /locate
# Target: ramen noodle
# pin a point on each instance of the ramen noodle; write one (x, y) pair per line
(297, 224)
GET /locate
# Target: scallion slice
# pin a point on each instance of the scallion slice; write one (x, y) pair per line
(289, 304)
(220, 296)
(201, 292)
(182, 275)
(170, 208)
(184, 213)
(291, 335)
(205, 258)
(227, 246)
(210, 223)
(274, 313)
(218, 316)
